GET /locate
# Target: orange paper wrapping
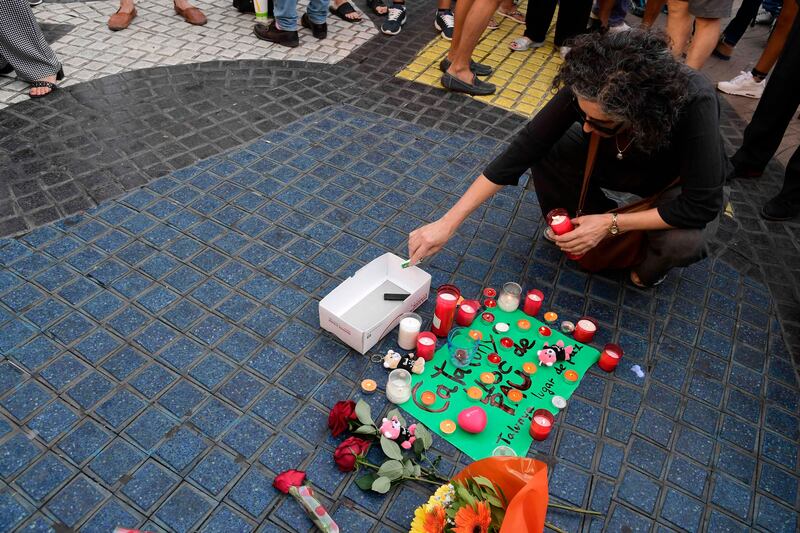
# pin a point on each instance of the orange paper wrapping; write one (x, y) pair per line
(523, 482)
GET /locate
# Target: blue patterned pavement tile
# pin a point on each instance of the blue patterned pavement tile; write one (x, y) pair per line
(36, 353)
(159, 265)
(84, 442)
(289, 512)
(123, 363)
(46, 313)
(701, 416)
(211, 330)
(741, 404)
(783, 396)
(732, 496)
(738, 432)
(16, 453)
(152, 380)
(275, 406)
(226, 520)
(44, 477)
(242, 389)
(301, 379)
(149, 484)
(654, 426)
(181, 354)
(71, 328)
(782, 422)
(260, 287)
(181, 449)
(584, 415)
(618, 426)
(118, 459)
(269, 362)
(778, 449)
(646, 456)
(310, 424)
(238, 346)
(254, 492)
(108, 272)
(214, 418)
(10, 376)
(695, 445)
(183, 314)
(569, 484)
(211, 371)
(78, 291)
(22, 297)
(639, 491)
(75, 501)
(102, 306)
(97, 346)
(779, 483)
(12, 511)
(283, 453)
(775, 518)
(184, 509)
(119, 408)
(736, 464)
(611, 459)
(52, 421)
(721, 522)
(25, 400)
(215, 471)
(132, 285)
(157, 299)
(576, 449)
(127, 321)
(182, 398)
(155, 337)
(682, 510)
(247, 436)
(183, 279)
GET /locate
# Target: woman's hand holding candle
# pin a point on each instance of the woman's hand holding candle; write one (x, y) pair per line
(589, 231)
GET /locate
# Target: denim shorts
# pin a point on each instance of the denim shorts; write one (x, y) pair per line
(710, 9)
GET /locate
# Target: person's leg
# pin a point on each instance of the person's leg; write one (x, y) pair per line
(786, 205)
(471, 20)
(286, 14)
(775, 110)
(651, 12)
(740, 22)
(667, 249)
(572, 20)
(317, 11)
(507, 9)
(23, 46)
(538, 19)
(679, 25)
(705, 39)
(777, 40)
(604, 12)
(444, 21)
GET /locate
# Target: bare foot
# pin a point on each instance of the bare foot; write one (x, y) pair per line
(41, 91)
(355, 15)
(126, 6)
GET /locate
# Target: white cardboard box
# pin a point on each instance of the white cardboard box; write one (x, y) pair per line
(355, 310)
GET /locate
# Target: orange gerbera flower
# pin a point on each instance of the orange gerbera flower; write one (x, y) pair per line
(477, 520)
(434, 520)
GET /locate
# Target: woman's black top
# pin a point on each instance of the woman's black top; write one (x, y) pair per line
(695, 153)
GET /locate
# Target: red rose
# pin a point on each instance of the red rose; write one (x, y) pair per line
(340, 417)
(289, 479)
(345, 454)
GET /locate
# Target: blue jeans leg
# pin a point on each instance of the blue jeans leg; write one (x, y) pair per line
(317, 11)
(286, 14)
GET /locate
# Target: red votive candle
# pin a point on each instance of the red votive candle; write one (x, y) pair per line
(507, 343)
(610, 357)
(466, 312)
(559, 221)
(489, 292)
(533, 302)
(490, 303)
(542, 424)
(487, 318)
(446, 299)
(426, 345)
(585, 330)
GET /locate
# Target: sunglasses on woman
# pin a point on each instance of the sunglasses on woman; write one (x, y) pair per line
(602, 128)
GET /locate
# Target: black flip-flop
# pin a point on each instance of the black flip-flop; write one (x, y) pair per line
(50, 85)
(343, 10)
(375, 4)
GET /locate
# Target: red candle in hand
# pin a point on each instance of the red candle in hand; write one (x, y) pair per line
(542, 424)
(610, 357)
(466, 312)
(426, 345)
(585, 330)
(559, 221)
(446, 299)
(533, 302)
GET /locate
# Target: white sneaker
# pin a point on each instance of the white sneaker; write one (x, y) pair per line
(563, 51)
(743, 85)
(764, 17)
(619, 28)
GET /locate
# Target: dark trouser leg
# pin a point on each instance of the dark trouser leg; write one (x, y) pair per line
(671, 248)
(22, 43)
(558, 177)
(790, 193)
(738, 25)
(776, 108)
(573, 17)
(538, 18)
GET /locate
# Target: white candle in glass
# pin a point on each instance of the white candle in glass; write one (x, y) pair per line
(409, 330)
(509, 297)
(398, 386)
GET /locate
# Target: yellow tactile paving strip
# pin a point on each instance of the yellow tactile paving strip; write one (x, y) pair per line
(523, 79)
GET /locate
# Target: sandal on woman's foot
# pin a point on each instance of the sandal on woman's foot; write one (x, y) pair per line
(375, 5)
(514, 15)
(46, 84)
(638, 282)
(521, 44)
(344, 9)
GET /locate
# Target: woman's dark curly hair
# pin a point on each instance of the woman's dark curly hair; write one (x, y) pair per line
(633, 77)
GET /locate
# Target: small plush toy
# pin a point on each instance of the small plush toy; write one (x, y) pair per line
(548, 355)
(392, 429)
(415, 365)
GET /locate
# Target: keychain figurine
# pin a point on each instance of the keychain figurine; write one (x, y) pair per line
(415, 365)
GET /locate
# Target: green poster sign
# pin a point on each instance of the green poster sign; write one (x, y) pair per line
(447, 385)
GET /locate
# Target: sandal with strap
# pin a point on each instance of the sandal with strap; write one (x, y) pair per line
(514, 15)
(343, 10)
(375, 4)
(46, 84)
(520, 44)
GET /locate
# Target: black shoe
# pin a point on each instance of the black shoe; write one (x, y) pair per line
(779, 210)
(395, 18)
(320, 31)
(479, 69)
(8, 69)
(273, 34)
(476, 88)
(445, 23)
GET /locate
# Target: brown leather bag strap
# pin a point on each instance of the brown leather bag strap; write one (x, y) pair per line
(591, 156)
